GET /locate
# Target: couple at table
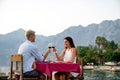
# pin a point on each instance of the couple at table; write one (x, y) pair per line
(30, 52)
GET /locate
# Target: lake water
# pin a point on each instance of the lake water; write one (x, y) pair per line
(101, 75)
(89, 74)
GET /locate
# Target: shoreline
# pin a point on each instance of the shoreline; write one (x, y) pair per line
(102, 68)
(5, 70)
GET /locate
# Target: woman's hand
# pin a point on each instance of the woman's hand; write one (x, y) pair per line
(54, 50)
(64, 49)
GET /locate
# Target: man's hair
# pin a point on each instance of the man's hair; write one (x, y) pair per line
(29, 33)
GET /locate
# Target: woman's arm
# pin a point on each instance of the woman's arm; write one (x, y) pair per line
(58, 58)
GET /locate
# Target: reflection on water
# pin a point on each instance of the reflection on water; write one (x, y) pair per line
(88, 74)
(101, 75)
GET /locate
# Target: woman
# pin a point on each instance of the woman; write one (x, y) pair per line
(68, 55)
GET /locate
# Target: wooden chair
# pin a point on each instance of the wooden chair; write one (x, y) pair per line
(61, 76)
(16, 65)
(68, 76)
(81, 62)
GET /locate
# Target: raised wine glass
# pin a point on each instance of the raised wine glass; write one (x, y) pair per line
(49, 45)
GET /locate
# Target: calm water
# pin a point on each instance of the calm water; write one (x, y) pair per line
(101, 75)
(89, 74)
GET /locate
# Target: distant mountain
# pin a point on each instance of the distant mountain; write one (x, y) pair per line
(83, 36)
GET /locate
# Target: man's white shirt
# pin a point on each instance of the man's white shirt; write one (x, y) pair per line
(29, 52)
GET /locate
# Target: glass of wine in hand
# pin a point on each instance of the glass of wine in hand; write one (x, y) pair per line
(51, 45)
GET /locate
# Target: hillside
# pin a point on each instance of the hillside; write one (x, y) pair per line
(83, 36)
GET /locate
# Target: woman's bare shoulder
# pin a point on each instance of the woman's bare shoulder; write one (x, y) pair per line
(74, 49)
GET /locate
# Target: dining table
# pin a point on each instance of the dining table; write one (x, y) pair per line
(48, 67)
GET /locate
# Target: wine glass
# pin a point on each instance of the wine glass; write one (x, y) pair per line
(52, 45)
(49, 45)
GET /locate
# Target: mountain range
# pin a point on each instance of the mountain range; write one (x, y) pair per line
(82, 36)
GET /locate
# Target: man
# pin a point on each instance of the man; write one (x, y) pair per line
(30, 52)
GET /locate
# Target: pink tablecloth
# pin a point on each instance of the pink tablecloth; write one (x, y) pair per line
(47, 68)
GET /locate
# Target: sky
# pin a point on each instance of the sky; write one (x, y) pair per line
(50, 17)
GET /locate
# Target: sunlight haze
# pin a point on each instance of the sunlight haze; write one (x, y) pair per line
(50, 17)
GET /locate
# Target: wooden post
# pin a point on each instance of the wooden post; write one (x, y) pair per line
(82, 64)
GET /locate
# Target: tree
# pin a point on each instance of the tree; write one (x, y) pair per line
(106, 51)
(100, 41)
(112, 56)
(103, 42)
(81, 51)
(113, 45)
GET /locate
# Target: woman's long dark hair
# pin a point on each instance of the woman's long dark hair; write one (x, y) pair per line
(70, 41)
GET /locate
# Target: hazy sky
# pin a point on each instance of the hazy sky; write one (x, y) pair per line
(49, 17)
